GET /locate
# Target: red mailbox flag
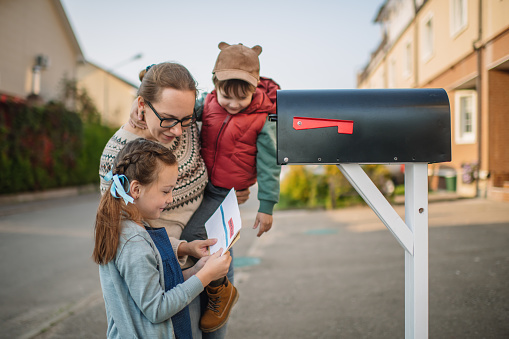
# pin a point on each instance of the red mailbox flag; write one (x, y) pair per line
(344, 126)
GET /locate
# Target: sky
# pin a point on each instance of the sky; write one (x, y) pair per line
(320, 44)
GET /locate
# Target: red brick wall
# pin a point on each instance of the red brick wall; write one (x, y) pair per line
(498, 108)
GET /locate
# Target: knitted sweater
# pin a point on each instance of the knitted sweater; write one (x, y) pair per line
(191, 182)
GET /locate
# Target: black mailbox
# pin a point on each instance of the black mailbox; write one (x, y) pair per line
(363, 126)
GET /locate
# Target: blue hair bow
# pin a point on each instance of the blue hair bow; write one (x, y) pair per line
(148, 67)
(117, 186)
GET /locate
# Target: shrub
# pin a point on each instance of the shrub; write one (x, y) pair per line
(47, 147)
(324, 187)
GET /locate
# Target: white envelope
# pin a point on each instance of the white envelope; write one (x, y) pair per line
(225, 224)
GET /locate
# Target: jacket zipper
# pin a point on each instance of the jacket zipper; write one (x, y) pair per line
(221, 130)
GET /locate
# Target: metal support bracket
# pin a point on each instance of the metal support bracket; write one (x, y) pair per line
(411, 234)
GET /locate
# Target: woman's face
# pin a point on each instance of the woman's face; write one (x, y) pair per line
(173, 103)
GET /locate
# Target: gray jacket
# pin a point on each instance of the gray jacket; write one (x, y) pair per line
(133, 289)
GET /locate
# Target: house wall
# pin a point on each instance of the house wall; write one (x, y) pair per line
(449, 48)
(29, 28)
(401, 15)
(112, 96)
(495, 17)
(467, 60)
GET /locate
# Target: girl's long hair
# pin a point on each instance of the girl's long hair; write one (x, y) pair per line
(139, 160)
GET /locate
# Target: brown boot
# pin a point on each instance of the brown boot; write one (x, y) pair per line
(221, 300)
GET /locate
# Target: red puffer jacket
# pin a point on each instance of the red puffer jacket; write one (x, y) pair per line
(229, 141)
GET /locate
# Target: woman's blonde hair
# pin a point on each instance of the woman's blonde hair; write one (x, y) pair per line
(155, 78)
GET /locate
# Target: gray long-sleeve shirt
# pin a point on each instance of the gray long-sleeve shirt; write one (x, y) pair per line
(133, 289)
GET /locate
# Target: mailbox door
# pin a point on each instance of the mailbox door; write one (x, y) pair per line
(363, 126)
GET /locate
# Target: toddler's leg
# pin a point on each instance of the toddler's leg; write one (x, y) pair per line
(221, 294)
(219, 302)
(212, 198)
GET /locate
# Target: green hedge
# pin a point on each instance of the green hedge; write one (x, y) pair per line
(324, 187)
(47, 147)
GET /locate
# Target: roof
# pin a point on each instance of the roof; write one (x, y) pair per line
(68, 28)
(381, 10)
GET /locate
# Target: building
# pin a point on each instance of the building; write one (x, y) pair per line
(463, 47)
(39, 53)
(39, 48)
(112, 95)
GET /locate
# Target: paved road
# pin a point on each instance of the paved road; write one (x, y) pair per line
(46, 268)
(317, 274)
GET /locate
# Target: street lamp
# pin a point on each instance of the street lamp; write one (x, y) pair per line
(122, 63)
(109, 72)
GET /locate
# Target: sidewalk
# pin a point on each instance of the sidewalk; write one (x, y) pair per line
(17, 203)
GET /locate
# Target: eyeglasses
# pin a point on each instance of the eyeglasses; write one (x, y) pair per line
(170, 122)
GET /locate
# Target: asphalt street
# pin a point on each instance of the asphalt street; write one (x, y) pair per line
(316, 274)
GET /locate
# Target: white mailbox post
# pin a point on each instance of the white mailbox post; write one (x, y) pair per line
(412, 234)
(353, 127)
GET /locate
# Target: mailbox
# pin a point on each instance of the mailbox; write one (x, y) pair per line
(363, 126)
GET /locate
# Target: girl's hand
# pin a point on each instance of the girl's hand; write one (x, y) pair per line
(215, 267)
(136, 119)
(200, 263)
(188, 273)
(264, 221)
(200, 248)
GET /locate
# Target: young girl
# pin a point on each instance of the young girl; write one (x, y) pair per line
(145, 293)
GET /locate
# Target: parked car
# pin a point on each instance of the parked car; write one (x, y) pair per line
(396, 177)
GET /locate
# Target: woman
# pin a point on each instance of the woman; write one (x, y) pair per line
(166, 99)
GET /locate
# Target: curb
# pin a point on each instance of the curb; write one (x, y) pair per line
(9, 199)
(432, 197)
(29, 201)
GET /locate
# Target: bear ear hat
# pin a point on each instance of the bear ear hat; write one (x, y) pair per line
(222, 45)
(257, 49)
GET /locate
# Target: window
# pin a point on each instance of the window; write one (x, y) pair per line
(465, 107)
(408, 60)
(458, 16)
(427, 38)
